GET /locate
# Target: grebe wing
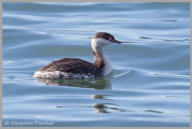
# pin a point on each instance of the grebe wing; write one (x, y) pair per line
(70, 65)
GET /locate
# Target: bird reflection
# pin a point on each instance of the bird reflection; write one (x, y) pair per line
(105, 107)
(99, 83)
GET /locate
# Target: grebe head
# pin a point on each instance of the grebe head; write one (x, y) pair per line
(101, 39)
(101, 61)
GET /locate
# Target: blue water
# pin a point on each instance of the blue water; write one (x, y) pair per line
(150, 85)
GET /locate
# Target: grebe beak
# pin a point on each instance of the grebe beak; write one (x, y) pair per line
(116, 41)
(119, 42)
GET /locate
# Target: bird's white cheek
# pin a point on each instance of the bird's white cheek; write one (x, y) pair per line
(106, 43)
(99, 43)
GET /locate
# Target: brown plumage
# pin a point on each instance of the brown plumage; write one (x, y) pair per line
(104, 35)
(75, 66)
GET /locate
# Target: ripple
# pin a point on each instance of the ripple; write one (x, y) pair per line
(150, 84)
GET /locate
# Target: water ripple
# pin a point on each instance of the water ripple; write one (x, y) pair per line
(150, 84)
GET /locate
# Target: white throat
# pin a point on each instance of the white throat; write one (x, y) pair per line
(97, 46)
(108, 67)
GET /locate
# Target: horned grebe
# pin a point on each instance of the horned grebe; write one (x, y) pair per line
(73, 68)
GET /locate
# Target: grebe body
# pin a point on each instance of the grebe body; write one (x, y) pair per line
(74, 68)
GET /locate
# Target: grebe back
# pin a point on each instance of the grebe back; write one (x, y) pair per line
(74, 68)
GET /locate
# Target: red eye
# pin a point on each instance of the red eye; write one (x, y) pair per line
(107, 38)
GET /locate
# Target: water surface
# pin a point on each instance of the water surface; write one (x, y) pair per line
(150, 85)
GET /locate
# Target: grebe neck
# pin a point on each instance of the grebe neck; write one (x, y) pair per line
(101, 60)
